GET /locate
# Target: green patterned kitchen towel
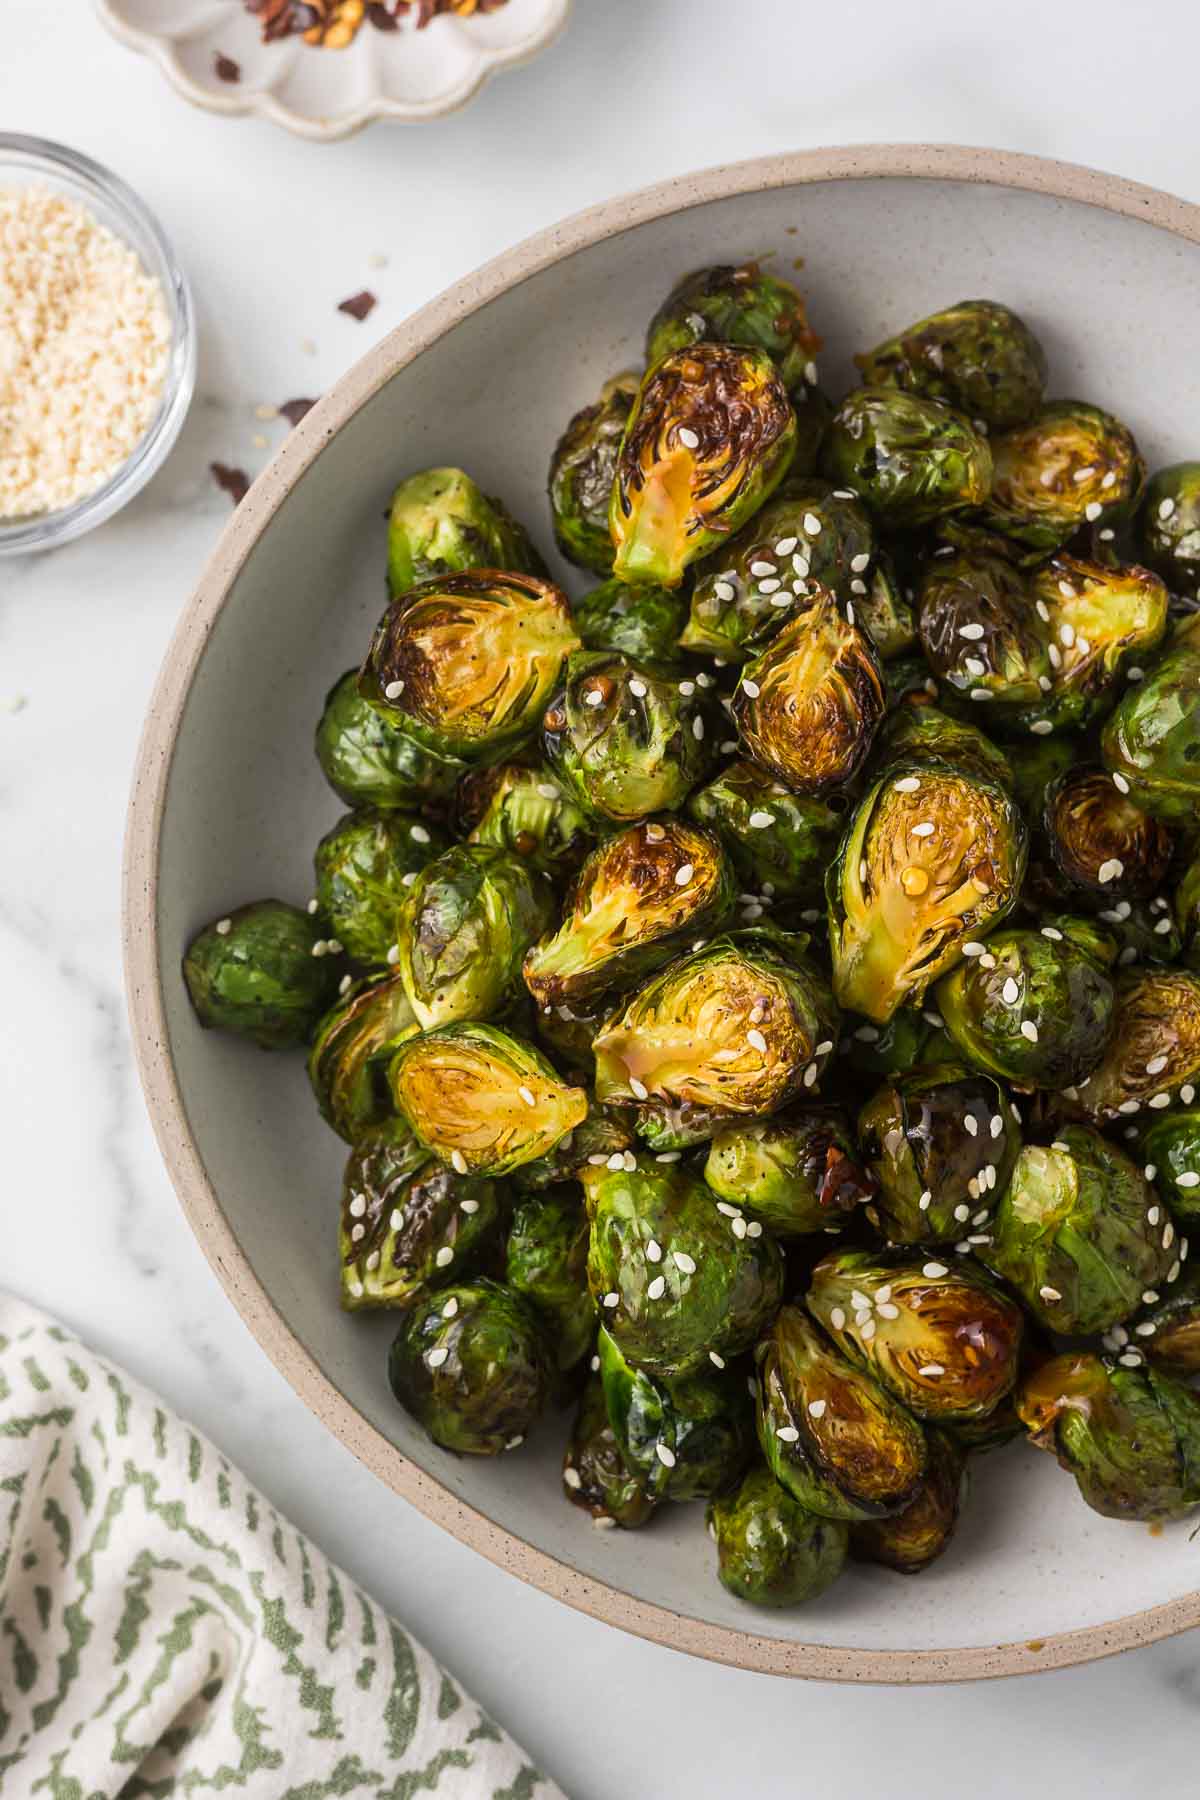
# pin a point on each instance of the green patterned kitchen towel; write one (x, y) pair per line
(163, 1631)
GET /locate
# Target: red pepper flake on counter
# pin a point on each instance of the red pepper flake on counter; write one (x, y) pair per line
(294, 410)
(234, 482)
(226, 68)
(358, 305)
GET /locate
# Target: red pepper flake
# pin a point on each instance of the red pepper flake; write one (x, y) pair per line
(227, 69)
(234, 482)
(294, 410)
(380, 17)
(358, 305)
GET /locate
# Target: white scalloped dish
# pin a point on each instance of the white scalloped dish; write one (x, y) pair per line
(405, 74)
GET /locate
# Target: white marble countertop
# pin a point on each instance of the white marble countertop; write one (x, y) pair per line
(274, 233)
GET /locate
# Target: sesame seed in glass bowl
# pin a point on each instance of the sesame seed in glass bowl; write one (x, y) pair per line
(97, 345)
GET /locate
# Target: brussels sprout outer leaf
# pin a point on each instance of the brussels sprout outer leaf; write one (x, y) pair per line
(688, 1437)
(581, 476)
(911, 1539)
(978, 356)
(409, 1226)
(351, 1049)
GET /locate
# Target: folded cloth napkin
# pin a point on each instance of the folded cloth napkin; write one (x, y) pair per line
(163, 1631)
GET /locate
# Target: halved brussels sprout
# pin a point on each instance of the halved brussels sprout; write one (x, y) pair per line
(1097, 618)
(770, 1551)
(595, 1475)
(933, 860)
(353, 1045)
(838, 1443)
(798, 1172)
(1168, 527)
(910, 458)
(547, 1262)
(1170, 1145)
(808, 706)
(1079, 1234)
(637, 899)
(679, 1284)
(941, 1143)
(737, 1028)
(908, 1541)
(365, 867)
(468, 921)
(981, 634)
(408, 1226)
(738, 304)
(924, 734)
(467, 663)
(1101, 841)
(978, 356)
(441, 524)
(884, 611)
(1071, 465)
(263, 971)
(1152, 738)
(1034, 1009)
(581, 475)
(482, 1100)
(778, 842)
(367, 762)
(1154, 1050)
(470, 1365)
(640, 621)
(940, 1336)
(687, 1437)
(625, 738)
(1168, 1333)
(601, 1135)
(1129, 1435)
(526, 811)
(709, 438)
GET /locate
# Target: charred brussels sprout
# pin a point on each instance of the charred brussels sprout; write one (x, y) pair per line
(526, 811)
(910, 458)
(470, 1365)
(482, 1100)
(642, 622)
(1096, 619)
(1171, 1147)
(367, 762)
(1154, 1049)
(263, 971)
(547, 1262)
(1073, 1234)
(440, 524)
(1101, 841)
(808, 707)
(1152, 738)
(924, 734)
(710, 436)
(838, 1443)
(405, 1233)
(738, 305)
(941, 1143)
(884, 611)
(468, 921)
(737, 1028)
(981, 634)
(688, 1437)
(979, 356)
(466, 664)
(595, 1474)
(770, 1550)
(1170, 1329)
(933, 860)
(908, 1541)
(625, 739)
(637, 899)
(1071, 465)
(798, 1172)
(348, 1062)
(940, 1336)
(581, 475)
(1168, 527)
(1129, 1436)
(365, 867)
(777, 841)
(677, 1288)
(1033, 1009)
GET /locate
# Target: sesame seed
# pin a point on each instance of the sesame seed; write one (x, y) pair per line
(468, 1206)
(444, 1257)
(801, 567)
(963, 1213)
(787, 1434)
(1156, 1065)
(638, 1089)
(908, 784)
(785, 546)
(972, 633)
(762, 568)
(757, 1041)
(395, 1218)
(738, 1227)
(688, 438)
(451, 1307)
(932, 1370)
(934, 1271)
(1154, 1215)
(924, 830)
(862, 870)
(772, 586)
(665, 1456)
(1168, 1236)
(1159, 1100)
(572, 1478)
(1173, 1272)
(1107, 535)
(1041, 728)
(1029, 1030)
(1092, 511)
(638, 689)
(527, 1096)
(811, 376)
(925, 1201)
(698, 728)
(313, 906)
(437, 1357)
(974, 666)
(611, 1300)
(750, 689)
(684, 874)
(1187, 1093)
(1131, 1359)
(1043, 612)
(1055, 655)
(973, 948)
(594, 697)
(1166, 508)
(812, 524)
(685, 1263)
(1163, 927)
(617, 1160)
(1150, 1296)
(754, 1229)
(657, 1288)
(458, 1161)
(1133, 673)
(866, 1330)
(1053, 933)
(970, 1125)
(1189, 1179)
(980, 694)
(718, 1362)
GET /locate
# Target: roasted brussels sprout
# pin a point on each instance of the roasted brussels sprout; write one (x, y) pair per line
(978, 356)
(940, 1143)
(709, 438)
(351, 1050)
(908, 1541)
(1097, 619)
(924, 734)
(770, 1551)
(526, 811)
(263, 971)
(407, 1230)
(482, 1100)
(738, 305)
(468, 921)
(838, 1443)
(679, 1284)
(1154, 1049)
(1168, 1332)
(1152, 738)
(1036, 762)
(687, 1437)
(440, 524)
(364, 868)
(466, 663)
(1129, 1435)
(581, 475)
(367, 762)
(642, 622)
(595, 1475)
(626, 739)
(470, 1365)
(884, 611)
(1170, 1145)
(1078, 1234)
(941, 1337)
(1101, 841)
(798, 1172)
(1033, 1009)
(737, 1028)
(1168, 527)
(637, 899)
(777, 841)
(1071, 465)
(910, 458)
(981, 634)
(911, 1038)
(601, 1135)
(933, 860)
(547, 1262)
(1141, 931)
(809, 705)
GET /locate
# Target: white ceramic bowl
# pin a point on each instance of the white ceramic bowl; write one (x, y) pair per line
(406, 74)
(229, 802)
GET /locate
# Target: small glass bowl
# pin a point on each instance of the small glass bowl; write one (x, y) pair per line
(30, 161)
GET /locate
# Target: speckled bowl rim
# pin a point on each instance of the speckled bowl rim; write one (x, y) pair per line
(740, 1648)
